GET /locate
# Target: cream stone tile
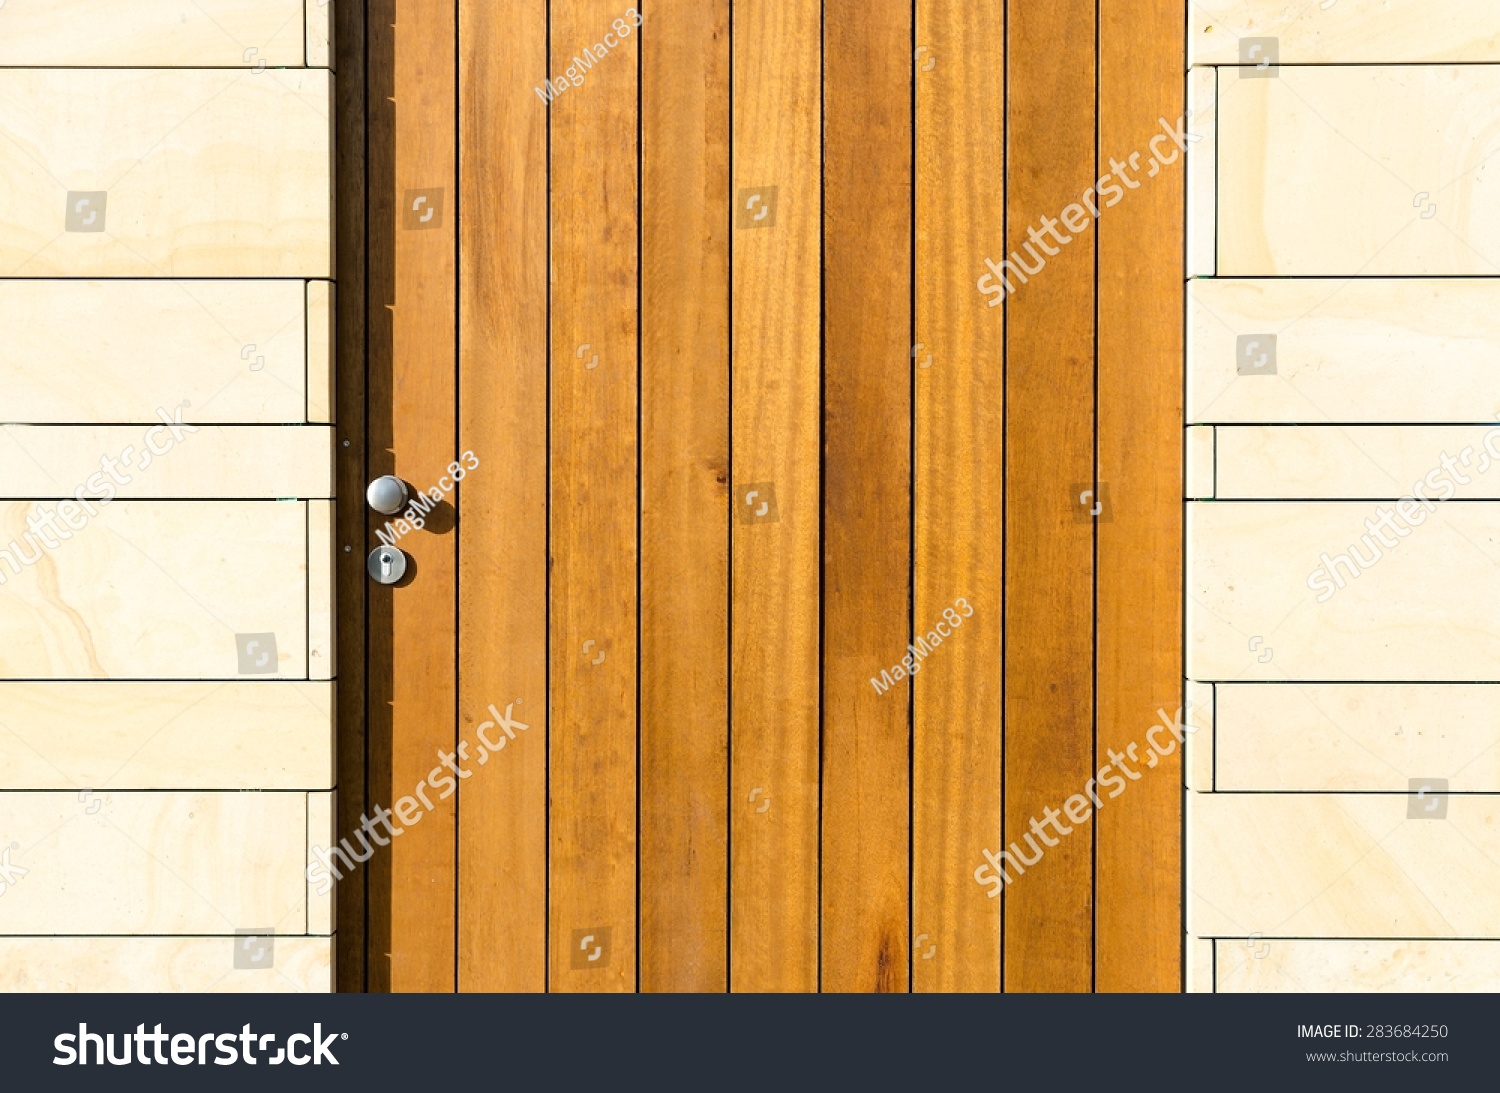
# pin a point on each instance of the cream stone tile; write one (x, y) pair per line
(155, 590)
(319, 33)
(154, 863)
(1200, 461)
(1202, 181)
(151, 965)
(1198, 754)
(321, 814)
(206, 33)
(1357, 736)
(1468, 966)
(1345, 31)
(322, 630)
(214, 461)
(1200, 966)
(104, 735)
(1377, 350)
(1341, 865)
(320, 351)
(233, 351)
(1423, 611)
(1359, 170)
(204, 173)
(1376, 462)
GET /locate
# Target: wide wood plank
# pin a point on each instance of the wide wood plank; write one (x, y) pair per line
(166, 173)
(422, 651)
(156, 33)
(1139, 599)
(959, 503)
(777, 126)
(1049, 668)
(685, 497)
(233, 351)
(595, 461)
(867, 493)
(502, 897)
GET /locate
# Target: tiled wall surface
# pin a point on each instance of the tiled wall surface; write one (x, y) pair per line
(1343, 535)
(166, 637)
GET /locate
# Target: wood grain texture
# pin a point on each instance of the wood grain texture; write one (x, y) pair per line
(1140, 384)
(959, 494)
(423, 722)
(867, 366)
(502, 900)
(685, 492)
(594, 545)
(1049, 462)
(777, 125)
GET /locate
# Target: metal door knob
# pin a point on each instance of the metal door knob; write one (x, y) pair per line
(387, 495)
(387, 564)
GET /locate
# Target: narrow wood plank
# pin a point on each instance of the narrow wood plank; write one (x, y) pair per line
(351, 233)
(1049, 735)
(776, 273)
(142, 33)
(189, 173)
(1139, 607)
(685, 497)
(959, 421)
(502, 897)
(594, 503)
(867, 196)
(422, 414)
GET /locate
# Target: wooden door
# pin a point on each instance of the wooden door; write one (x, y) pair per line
(167, 655)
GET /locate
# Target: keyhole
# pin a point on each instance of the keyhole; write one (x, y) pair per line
(385, 565)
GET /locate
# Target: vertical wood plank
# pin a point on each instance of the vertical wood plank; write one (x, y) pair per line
(684, 496)
(349, 413)
(959, 421)
(1049, 734)
(422, 879)
(502, 620)
(867, 194)
(594, 503)
(776, 269)
(1140, 456)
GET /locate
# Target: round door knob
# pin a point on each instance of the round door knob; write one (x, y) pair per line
(387, 495)
(387, 564)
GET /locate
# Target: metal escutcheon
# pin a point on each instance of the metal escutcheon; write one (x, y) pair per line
(387, 564)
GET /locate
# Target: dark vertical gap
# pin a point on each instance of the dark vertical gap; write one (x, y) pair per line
(729, 204)
(547, 558)
(822, 432)
(306, 59)
(1004, 437)
(364, 449)
(640, 186)
(1094, 523)
(458, 395)
(911, 537)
